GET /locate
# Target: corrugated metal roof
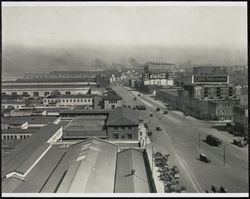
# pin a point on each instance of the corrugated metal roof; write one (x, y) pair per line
(26, 153)
(95, 173)
(125, 181)
(122, 116)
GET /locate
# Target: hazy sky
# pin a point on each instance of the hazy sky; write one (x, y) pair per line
(221, 26)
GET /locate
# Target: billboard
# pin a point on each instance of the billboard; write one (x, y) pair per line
(210, 79)
(165, 75)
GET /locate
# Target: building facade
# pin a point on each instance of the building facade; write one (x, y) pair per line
(161, 74)
(240, 119)
(69, 100)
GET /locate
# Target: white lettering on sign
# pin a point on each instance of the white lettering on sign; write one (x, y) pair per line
(158, 76)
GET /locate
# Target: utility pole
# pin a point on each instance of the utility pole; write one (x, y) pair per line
(199, 139)
(152, 160)
(224, 155)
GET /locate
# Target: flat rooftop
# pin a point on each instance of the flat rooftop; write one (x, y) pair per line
(86, 126)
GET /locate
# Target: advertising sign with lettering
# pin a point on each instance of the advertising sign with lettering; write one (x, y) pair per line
(158, 76)
(210, 79)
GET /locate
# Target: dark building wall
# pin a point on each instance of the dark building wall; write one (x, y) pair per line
(123, 132)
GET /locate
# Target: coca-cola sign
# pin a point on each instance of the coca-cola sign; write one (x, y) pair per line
(158, 76)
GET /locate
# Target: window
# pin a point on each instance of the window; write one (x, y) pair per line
(85, 100)
(88, 100)
(15, 137)
(21, 137)
(113, 106)
(70, 100)
(78, 100)
(63, 100)
(8, 137)
(116, 128)
(4, 137)
(115, 136)
(67, 93)
(130, 136)
(129, 128)
(123, 128)
(123, 137)
(36, 94)
(81, 100)
(67, 100)
(74, 100)
(11, 137)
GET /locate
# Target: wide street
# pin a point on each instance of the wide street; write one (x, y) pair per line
(180, 138)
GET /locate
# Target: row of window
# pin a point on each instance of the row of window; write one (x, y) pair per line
(116, 136)
(69, 100)
(113, 101)
(14, 137)
(123, 128)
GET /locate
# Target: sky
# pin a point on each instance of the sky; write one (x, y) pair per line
(43, 37)
(212, 26)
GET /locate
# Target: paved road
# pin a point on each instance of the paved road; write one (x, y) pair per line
(180, 138)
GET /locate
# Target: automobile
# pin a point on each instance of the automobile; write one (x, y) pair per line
(165, 112)
(129, 106)
(150, 133)
(203, 158)
(139, 94)
(158, 128)
(158, 109)
(134, 98)
(212, 140)
(240, 142)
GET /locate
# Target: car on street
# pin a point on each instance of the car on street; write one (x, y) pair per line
(203, 158)
(158, 128)
(165, 112)
(134, 98)
(150, 133)
(157, 109)
(151, 115)
(139, 94)
(212, 140)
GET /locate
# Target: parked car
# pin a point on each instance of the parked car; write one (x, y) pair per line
(150, 133)
(165, 112)
(134, 98)
(151, 115)
(139, 94)
(158, 128)
(158, 109)
(240, 142)
(212, 140)
(203, 158)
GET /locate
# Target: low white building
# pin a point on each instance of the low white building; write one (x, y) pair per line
(69, 100)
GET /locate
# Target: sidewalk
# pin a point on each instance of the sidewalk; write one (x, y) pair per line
(158, 183)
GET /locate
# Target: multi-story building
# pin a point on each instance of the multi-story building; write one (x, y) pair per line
(240, 119)
(161, 74)
(69, 100)
(222, 109)
(111, 100)
(122, 125)
(12, 104)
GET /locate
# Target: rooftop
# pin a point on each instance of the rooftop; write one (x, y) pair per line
(84, 167)
(72, 96)
(86, 126)
(122, 116)
(125, 181)
(26, 153)
(30, 119)
(18, 131)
